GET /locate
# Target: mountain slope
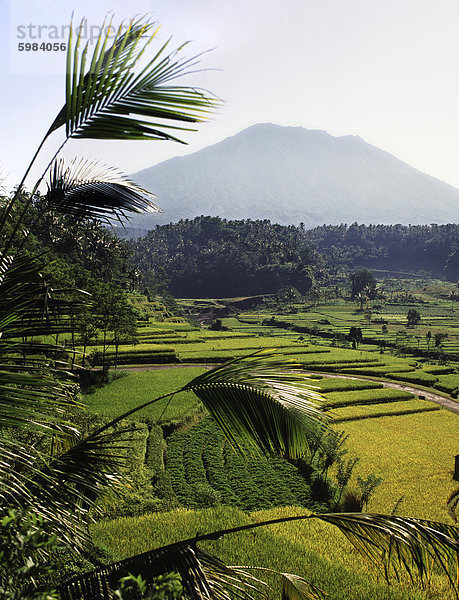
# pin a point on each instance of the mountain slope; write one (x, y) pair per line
(293, 175)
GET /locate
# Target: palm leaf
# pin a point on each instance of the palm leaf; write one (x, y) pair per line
(64, 489)
(112, 101)
(88, 190)
(35, 399)
(416, 546)
(403, 543)
(204, 577)
(28, 306)
(262, 401)
(101, 57)
(61, 488)
(32, 398)
(297, 588)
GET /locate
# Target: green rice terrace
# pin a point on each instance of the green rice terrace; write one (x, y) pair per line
(392, 448)
(221, 408)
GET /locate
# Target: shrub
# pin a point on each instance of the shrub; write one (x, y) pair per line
(352, 502)
(163, 587)
(205, 495)
(24, 538)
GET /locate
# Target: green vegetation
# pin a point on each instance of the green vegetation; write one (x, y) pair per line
(254, 435)
(373, 410)
(205, 471)
(258, 257)
(311, 549)
(247, 257)
(343, 385)
(390, 248)
(354, 397)
(202, 471)
(417, 376)
(419, 474)
(448, 383)
(138, 388)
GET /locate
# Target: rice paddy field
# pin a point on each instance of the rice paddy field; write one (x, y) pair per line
(179, 343)
(398, 436)
(412, 451)
(382, 321)
(314, 336)
(312, 549)
(138, 388)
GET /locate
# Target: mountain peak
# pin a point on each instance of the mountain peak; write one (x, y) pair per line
(293, 174)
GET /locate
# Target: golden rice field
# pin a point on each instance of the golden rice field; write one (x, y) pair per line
(415, 456)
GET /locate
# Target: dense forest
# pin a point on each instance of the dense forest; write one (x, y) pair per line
(412, 248)
(214, 257)
(80, 253)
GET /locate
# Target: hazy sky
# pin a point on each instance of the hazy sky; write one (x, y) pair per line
(387, 71)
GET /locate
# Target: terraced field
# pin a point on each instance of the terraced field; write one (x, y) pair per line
(204, 471)
(183, 460)
(387, 325)
(163, 338)
(200, 471)
(394, 434)
(311, 549)
(161, 343)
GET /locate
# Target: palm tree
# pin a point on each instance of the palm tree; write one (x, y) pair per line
(258, 401)
(107, 97)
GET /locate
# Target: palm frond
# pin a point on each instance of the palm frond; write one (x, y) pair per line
(87, 189)
(32, 397)
(35, 399)
(111, 100)
(102, 56)
(63, 489)
(402, 543)
(29, 307)
(204, 577)
(416, 546)
(298, 588)
(262, 401)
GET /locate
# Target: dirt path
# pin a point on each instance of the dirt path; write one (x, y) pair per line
(431, 396)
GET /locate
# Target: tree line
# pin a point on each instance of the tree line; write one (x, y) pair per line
(412, 248)
(214, 257)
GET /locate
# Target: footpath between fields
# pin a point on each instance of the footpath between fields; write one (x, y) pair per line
(417, 391)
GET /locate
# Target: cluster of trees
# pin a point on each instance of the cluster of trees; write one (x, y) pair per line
(363, 284)
(82, 251)
(81, 254)
(213, 257)
(430, 248)
(76, 252)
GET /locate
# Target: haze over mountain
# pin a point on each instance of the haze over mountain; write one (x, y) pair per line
(291, 175)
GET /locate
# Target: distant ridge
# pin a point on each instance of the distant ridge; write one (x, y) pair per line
(291, 175)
